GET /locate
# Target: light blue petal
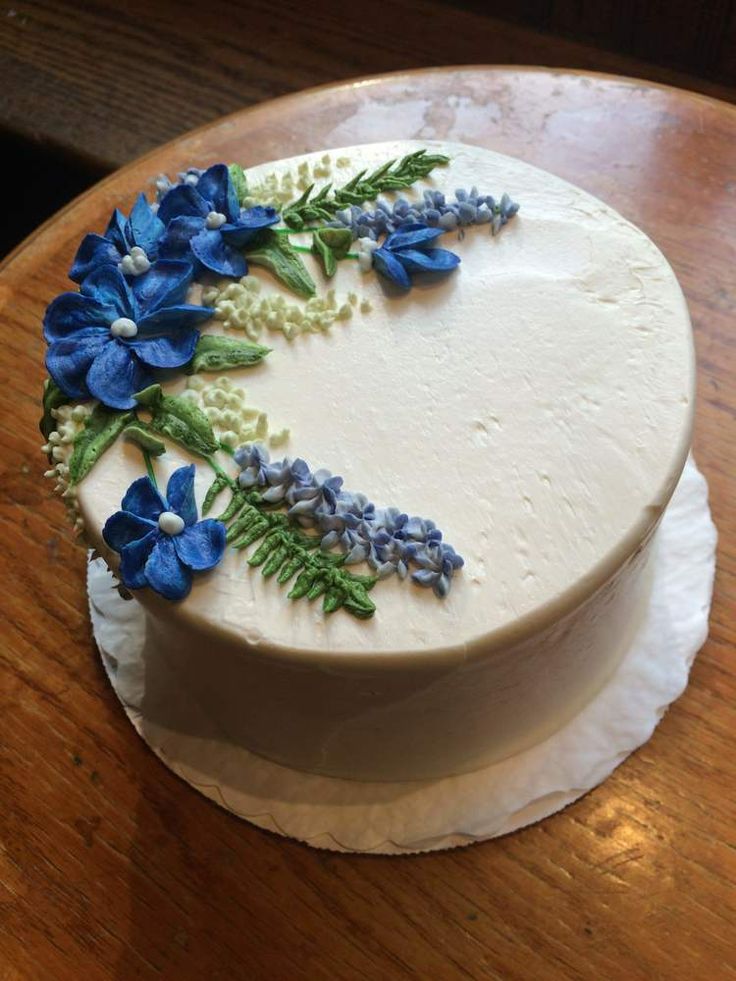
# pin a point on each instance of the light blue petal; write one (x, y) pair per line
(69, 360)
(125, 527)
(165, 573)
(133, 560)
(143, 499)
(425, 577)
(201, 546)
(115, 374)
(216, 255)
(180, 494)
(94, 251)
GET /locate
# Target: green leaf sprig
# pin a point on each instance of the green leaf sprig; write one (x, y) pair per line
(285, 552)
(391, 176)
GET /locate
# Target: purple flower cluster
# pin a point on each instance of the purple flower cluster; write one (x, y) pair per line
(467, 208)
(386, 538)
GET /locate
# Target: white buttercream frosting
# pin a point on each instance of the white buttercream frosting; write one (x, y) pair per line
(536, 404)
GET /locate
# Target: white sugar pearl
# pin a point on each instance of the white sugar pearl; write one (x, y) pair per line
(123, 327)
(214, 220)
(170, 523)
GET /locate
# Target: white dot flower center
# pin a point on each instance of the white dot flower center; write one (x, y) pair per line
(170, 523)
(135, 263)
(215, 219)
(123, 327)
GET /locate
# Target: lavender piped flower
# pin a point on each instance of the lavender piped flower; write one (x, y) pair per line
(387, 539)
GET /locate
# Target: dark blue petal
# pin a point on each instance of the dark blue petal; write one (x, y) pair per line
(202, 546)
(94, 251)
(180, 494)
(116, 231)
(164, 285)
(70, 313)
(166, 352)
(390, 267)
(108, 287)
(411, 236)
(182, 200)
(215, 254)
(133, 560)
(216, 186)
(143, 499)
(115, 374)
(69, 360)
(125, 527)
(171, 320)
(432, 260)
(250, 222)
(144, 228)
(165, 573)
(175, 242)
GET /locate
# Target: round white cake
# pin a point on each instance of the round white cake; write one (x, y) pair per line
(536, 403)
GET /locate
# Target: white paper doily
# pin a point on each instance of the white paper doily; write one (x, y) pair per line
(399, 818)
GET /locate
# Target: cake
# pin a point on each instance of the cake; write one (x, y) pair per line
(411, 447)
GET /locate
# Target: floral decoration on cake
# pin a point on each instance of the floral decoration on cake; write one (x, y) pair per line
(134, 324)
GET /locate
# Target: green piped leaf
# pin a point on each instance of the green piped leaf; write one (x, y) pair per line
(216, 487)
(53, 397)
(390, 176)
(102, 427)
(275, 253)
(330, 245)
(141, 434)
(214, 352)
(240, 182)
(179, 419)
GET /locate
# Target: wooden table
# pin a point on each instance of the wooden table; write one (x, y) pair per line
(110, 867)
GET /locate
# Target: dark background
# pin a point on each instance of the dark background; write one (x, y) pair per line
(87, 87)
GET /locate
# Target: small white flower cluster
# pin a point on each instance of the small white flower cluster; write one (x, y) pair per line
(278, 189)
(242, 306)
(70, 420)
(232, 421)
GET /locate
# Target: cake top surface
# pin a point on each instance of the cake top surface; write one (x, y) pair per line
(535, 402)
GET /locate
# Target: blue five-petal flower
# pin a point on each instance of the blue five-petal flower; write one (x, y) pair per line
(409, 251)
(107, 340)
(139, 234)
(206, 226)
(160, 542)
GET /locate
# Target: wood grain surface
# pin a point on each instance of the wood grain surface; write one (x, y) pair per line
(107, 81)
(111, 868)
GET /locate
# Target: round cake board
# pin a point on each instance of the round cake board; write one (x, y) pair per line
(420, 816)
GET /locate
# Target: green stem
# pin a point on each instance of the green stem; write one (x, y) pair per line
(149, 468)
(221, 473)
(301, 248)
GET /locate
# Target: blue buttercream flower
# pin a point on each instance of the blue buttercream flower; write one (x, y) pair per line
(131, 243)
(409, 251)
(160, 542)
(206, 225)
(438, 561)
(106, 341)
